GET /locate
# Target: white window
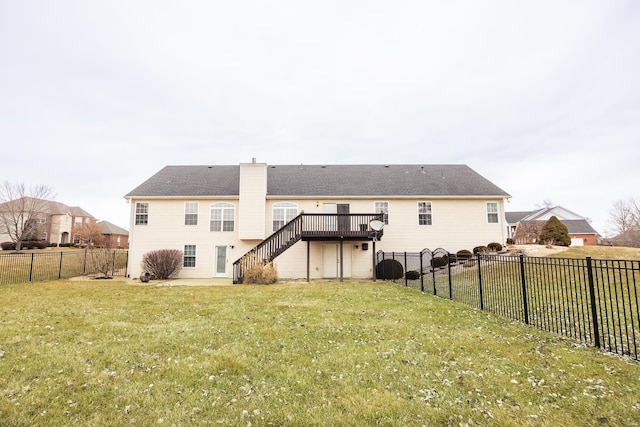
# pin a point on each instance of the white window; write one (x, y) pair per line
(78, 221)
(222, 217)
(189, 256)
(191, 213)
(142, 213)
(283, 213)
(492, 212)
(44, 235)
(424, 213)
(383, 208)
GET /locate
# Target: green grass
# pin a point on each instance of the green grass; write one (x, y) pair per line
(326, 353)
(599, 252)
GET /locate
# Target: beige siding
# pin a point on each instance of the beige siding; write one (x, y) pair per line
(253, 190)
(457, 224)
(166, 230)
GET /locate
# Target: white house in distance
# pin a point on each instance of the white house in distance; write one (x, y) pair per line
(524, 227)
(313, 221)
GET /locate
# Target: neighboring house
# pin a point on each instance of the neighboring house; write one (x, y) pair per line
(317, 219)
(524, 227)
(55, 222)
(114, 237)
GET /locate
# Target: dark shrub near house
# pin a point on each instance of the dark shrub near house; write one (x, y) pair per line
(463, 254)
(439, 261)
(412, 275)
(480, 249)
(494, 247)
(389, 269)
(8, 246)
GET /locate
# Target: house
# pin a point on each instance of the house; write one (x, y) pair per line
(524, 227)
(114, 237)
(313, 221)
(55, 220)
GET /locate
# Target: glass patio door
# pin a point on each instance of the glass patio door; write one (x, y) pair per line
(220, 267)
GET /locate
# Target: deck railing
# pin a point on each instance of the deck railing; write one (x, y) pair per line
(307, 227)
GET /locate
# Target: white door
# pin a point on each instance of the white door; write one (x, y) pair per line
(331, 260)
(220, 262)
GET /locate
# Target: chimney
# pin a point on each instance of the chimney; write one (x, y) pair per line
(252, 207)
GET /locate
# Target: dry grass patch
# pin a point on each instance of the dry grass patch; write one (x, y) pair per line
(353, 353)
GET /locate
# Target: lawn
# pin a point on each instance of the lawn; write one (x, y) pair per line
(293, 354)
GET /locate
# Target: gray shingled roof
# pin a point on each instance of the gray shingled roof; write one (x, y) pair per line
(579, 226)
(514, 217)
(323, 180)
(108, 228)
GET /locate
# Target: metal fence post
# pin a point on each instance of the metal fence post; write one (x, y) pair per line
(433, 273)
(480, 281)
(592, 297)
(525, 304)
(406, 282)
(84, 266)
(60, 268)
(449, 272)
(31, 268)
(421, 272)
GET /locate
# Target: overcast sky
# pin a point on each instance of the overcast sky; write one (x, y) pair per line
(540, 97)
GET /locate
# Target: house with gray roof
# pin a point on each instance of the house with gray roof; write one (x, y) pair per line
(114, 237)
(524, 226)
(311, 221)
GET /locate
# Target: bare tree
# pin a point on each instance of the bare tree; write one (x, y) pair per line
(545, 204)
(624, 219)
(88, 233)
(20, 209)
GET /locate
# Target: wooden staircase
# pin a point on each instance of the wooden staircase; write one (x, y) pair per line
(328, 227)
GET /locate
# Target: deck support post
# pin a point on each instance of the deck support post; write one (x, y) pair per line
(308, 262)
(341, 260)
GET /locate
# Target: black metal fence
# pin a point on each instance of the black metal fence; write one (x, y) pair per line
(590, 300)
(31, 267)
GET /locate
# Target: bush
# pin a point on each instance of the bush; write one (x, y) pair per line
(53, 245)
(412, 275)
(8, 246)
(41, 244)
(261, 275)
(479, 249)
(389, 269)
(463, 254)
(453, 258)
(494, 247)
(554, 232)
(163, 263)
(510, 241)
(439, 261)
(102, 261)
